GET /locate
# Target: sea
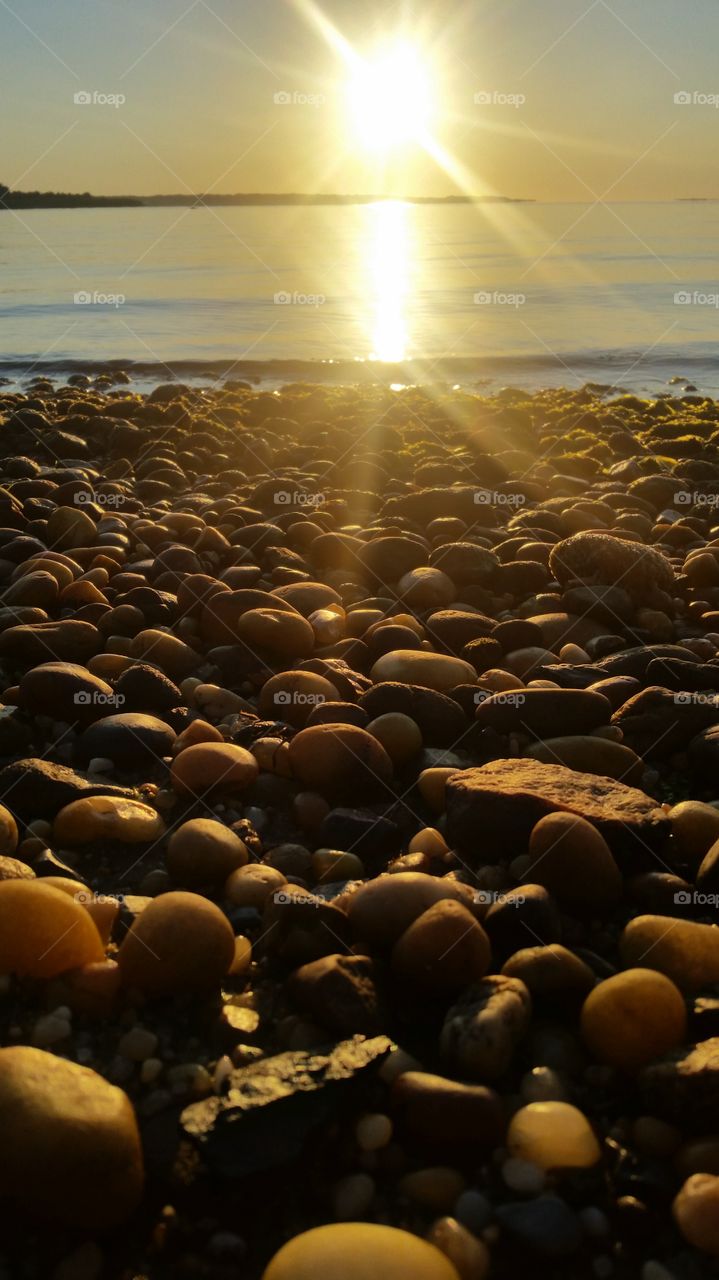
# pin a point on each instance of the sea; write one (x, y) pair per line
(625, 295)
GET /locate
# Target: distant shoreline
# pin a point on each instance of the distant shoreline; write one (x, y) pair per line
(64, 200)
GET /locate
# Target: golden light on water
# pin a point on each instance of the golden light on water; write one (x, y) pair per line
(390, 97)
(389, 267)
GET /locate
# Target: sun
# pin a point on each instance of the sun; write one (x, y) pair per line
(390, 98)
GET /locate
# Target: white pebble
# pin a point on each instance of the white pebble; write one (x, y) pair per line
(373, 1132)
(50, 1030)
(223, 1071)
(138, 1044)
(100, 764)
(543, 1084)
(523, 1176)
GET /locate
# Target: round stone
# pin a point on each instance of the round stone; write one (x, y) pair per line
(442, 951)
(436, 671)
(71, 1146)
(44, 932)
(696, 1212)
(204, 852)
(180, 944)
(252, 885)
(553, 1135)
(213, 766)
(292, 696)
(130, 740)
(570, 858)
(359, 1251)
(339, 760)
(8, 832)
(633, 1017)
(107, 818)
(400, 736)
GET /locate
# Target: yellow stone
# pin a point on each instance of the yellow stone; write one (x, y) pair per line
(71, 1146)
(436, 671)
(685, 951)
(400, 736)
(633, 1017)
(107, 818)
(43, 932)
(696, 1212)
(180, 943)
(359, 1251)
(213, 766)
(553, 1135)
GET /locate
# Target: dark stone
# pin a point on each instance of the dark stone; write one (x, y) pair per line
(680, 676)
(544, 712)
(131, 740)
(145, 688)
(520, 919)
(518, 633)
(683, 1087)
(484, 653)
(441, 721)
(40, 789)
(446, 1113)
(362, 831)
(338, 713)
(340, 992)
(273, 1106)
(545, 1225)
(657, 723)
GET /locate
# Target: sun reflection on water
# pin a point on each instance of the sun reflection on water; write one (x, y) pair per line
(389, 272)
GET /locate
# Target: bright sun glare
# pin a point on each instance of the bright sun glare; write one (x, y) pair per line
(390, 98)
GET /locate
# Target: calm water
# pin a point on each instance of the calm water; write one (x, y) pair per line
(532, 294)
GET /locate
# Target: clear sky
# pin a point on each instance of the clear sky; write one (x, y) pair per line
(576, 98)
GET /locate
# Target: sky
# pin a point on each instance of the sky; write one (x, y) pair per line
(557, 100)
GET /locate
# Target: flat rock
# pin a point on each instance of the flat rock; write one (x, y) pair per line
(40, 789)
(272, 1106)
(491, 810)
(683, 1087)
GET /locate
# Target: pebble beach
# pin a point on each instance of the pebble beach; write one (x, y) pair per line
(359, 832)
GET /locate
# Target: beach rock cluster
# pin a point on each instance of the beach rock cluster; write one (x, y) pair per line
(359, 833)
